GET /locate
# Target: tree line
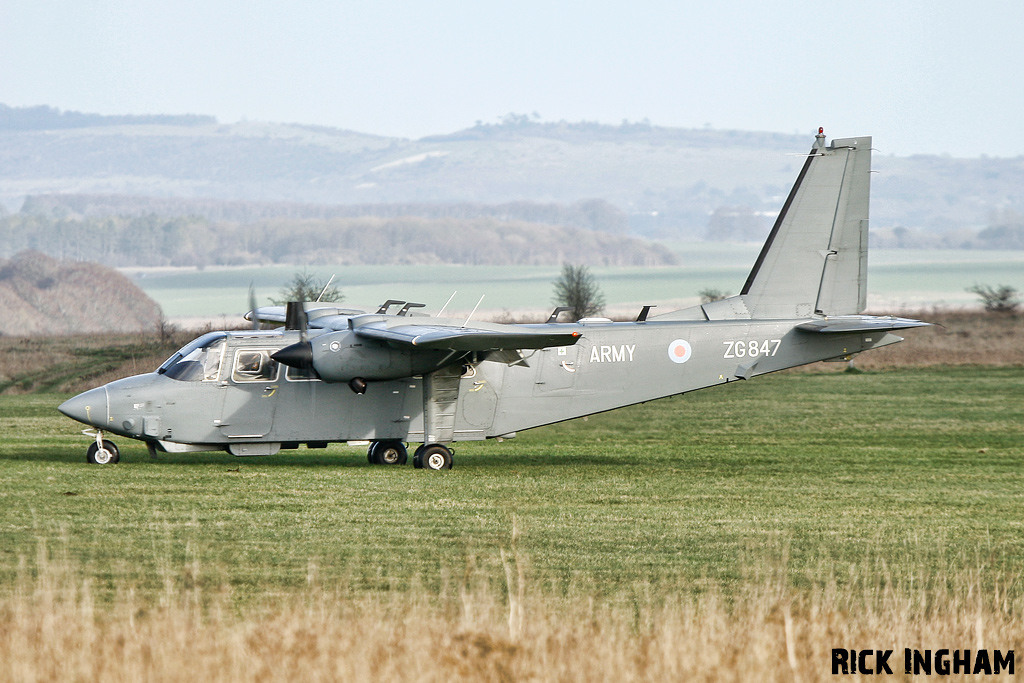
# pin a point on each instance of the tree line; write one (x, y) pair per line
(589, 214)
(150, 239)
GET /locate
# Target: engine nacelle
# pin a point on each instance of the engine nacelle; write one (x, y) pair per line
(343, 356)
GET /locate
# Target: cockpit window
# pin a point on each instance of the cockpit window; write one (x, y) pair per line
(198, 361)
(254, 365)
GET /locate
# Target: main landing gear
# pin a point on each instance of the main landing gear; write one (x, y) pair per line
(433, 456)
(387, 453)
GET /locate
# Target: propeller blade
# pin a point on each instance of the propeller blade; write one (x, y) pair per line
(253, 306)
(295, 318)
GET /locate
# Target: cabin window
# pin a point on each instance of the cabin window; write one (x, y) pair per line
(301, 374)
(254, 365)
(196, 364)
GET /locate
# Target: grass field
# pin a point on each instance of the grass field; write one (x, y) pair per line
(899, 279)
(765, 507)
(787, 513)
(906, 467)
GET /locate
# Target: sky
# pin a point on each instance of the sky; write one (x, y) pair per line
(938, 77)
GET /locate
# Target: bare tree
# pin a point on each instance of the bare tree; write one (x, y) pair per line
(998, 299)
(577, 289)
(304, 286)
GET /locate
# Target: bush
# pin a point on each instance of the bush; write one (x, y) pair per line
(304, 286)
(999, 299)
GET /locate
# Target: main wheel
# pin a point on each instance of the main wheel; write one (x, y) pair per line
(435, 457)
(387, 453)
(108, 455)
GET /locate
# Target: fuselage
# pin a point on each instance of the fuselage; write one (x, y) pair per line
(223, 391)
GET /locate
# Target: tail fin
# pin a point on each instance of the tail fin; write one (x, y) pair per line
(815, 259)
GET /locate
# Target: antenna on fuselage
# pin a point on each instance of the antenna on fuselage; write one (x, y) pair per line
(446, 304)
(474, 309)
(324, 290)
(383, 310)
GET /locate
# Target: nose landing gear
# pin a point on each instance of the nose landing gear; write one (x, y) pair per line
(102, 452)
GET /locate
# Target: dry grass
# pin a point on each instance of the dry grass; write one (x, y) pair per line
(76, 363)
(52, 629)
(956, 338)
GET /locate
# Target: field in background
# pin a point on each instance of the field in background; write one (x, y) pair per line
(731, 534)
(899, 280)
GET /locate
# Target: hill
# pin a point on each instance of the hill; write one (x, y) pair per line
(40, 295)
(668, 182)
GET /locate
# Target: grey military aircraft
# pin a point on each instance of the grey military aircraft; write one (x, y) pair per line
(328, 374)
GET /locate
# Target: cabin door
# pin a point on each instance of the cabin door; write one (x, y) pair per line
(250, 393)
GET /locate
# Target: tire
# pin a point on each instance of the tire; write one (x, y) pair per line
(435, 457)
(417, 457)
(387, 453)
(108, 456)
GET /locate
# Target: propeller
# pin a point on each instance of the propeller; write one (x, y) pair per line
(300, 354)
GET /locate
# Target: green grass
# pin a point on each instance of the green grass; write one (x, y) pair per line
(913, 472)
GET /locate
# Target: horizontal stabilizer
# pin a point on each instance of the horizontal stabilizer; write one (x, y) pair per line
(859, 323)
(467, 338)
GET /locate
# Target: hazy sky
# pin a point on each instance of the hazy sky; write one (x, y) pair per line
(922, 77)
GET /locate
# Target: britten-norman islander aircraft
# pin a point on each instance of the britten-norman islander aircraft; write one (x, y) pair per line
(338, 375)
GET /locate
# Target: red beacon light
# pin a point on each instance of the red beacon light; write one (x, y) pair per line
(821, 131)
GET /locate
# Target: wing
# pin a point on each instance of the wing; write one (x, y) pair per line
(493, 337)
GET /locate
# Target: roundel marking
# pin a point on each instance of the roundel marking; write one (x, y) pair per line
(679, 351)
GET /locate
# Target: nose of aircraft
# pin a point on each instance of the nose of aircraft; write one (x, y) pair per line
(88, 408)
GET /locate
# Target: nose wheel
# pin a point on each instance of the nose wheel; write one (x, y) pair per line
(102, 452)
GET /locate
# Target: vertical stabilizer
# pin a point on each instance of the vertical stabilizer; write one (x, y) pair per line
(815, 259)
